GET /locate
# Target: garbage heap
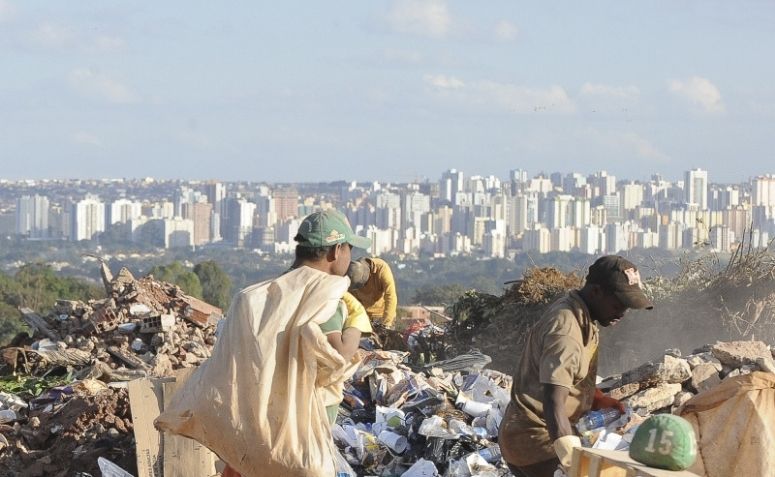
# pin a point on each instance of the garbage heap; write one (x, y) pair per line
(443, 418)
(143, 328)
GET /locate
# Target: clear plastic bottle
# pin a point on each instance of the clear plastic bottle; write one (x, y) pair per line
(491, 454)
(597, 419)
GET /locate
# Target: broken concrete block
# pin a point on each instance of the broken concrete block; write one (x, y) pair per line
(680, 399)
(674, 352)
(766, 364)
(732, 374)
(199, 312)
(703, 358)
(669, 370)
(739, 353)
(654, 398)
(704, 377)
(625, 391)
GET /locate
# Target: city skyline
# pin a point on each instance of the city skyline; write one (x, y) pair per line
(394, 90)
(457, 214)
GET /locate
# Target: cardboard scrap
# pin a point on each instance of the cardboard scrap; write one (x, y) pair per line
(164, 455)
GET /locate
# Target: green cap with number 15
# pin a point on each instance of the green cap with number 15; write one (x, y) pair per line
(665, 441)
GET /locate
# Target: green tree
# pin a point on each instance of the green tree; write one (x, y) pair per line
(216, 284)
(176, 273)
(10, 323)
(39, 287)
(438, 295)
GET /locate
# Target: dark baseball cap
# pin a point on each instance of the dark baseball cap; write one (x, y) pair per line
(621, 277)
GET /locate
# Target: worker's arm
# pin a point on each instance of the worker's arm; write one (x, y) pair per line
(391, 298)
(560, 430)
(557, 421)
(346, 342)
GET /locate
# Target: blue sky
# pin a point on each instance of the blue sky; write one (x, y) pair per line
(385, 90)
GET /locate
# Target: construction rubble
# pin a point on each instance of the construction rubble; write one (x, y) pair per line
(400, 416)
(143, 328)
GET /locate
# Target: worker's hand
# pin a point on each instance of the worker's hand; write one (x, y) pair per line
(563, 447)
(601, 401)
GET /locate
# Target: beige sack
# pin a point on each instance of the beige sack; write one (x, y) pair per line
(257, 401)
(735, 427)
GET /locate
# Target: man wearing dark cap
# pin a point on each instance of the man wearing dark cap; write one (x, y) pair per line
(554, 381)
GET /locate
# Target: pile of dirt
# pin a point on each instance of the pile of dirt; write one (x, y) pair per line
(67, 436)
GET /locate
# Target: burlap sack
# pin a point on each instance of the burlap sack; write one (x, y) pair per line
(735, 426)
(257, 401)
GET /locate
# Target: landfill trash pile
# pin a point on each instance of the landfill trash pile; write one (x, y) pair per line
(400, 416)
(445, 418)
(143, 328)
(65, 430)
(440, 421)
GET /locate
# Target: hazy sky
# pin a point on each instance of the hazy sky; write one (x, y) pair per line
(385, 90)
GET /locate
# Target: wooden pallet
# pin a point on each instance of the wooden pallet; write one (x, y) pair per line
(608, 463)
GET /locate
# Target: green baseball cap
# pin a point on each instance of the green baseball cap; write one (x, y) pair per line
(328, 227)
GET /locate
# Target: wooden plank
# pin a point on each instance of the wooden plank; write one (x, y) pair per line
(38, 323)
(575, 467)
(127, 357)
(595, 463)
(145, 401)
(622, 460)
(184, 457)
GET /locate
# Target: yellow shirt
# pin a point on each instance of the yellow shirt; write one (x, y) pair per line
(378, 295)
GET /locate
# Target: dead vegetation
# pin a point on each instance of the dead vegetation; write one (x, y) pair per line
(708, 300)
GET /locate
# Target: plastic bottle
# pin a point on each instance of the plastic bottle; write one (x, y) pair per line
(491, 454)
(596, 419)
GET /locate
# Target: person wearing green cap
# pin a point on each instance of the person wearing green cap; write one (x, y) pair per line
(554, 382)
(324, 242)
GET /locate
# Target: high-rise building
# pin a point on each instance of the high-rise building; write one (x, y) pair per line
(122, 211)
(451, 185)
(537, 239)
(32, 216)
(88, 218)
(178, 232)
(414, 206)
(240, 227)
(200, 213)
(764, 191)
(632, 196)
(286, 203)
(216, 195)
(696, 188)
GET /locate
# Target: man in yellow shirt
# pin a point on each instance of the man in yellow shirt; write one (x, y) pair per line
(378, 295)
